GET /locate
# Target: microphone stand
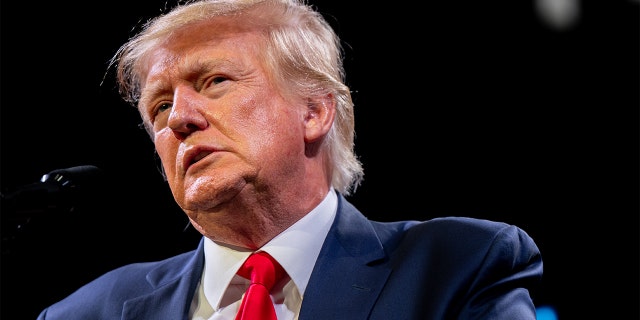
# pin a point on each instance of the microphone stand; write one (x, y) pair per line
(55, 193)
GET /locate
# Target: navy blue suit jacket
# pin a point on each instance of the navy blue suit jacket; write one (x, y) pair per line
(444, 268)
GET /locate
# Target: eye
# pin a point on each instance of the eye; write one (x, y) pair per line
(216, 86)
(158, 115)
(163, 107)
(218, 79)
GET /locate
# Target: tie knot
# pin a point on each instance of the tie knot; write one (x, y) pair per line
(262, 268)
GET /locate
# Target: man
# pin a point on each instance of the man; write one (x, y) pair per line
(246, 104)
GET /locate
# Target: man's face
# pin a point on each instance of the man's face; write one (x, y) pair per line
(222, 129)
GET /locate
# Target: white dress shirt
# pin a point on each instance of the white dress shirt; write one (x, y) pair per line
(296, 249)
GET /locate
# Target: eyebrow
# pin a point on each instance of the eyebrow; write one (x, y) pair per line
(151, 90)
(192, 70)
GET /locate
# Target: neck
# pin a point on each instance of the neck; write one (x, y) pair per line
(252, 225)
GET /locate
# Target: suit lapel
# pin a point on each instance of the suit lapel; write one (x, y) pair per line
(350, 272)
(173, 293)
(167, 302)
(348, 277)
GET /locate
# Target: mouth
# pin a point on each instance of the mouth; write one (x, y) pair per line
(199, 157)
(193, 156)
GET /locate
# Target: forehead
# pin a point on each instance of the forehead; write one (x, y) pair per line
(215, 28)
(221, 39)
(199, 48)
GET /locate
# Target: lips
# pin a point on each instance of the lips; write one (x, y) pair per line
(199, 156)
(194, 155)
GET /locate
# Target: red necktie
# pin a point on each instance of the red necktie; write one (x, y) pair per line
(264, 272)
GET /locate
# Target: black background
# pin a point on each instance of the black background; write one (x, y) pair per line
(468, 109)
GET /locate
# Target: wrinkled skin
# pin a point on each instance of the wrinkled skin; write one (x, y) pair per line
(235, 151)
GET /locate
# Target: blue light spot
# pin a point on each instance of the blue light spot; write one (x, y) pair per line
(546, 313)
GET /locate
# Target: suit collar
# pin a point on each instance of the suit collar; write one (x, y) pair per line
(173, 289)
(350, 272)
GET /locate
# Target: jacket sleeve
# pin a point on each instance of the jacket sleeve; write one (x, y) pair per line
(511, 266)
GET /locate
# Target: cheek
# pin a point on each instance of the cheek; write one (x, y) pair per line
(255, 122)
(263, 117)
(278, 133)
(167, 148)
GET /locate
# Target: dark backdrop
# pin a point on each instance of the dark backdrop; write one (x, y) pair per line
(472, 109)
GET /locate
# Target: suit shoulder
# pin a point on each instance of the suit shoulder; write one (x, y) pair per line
(465, 224)
(107, 293)
(457, 233)
(443, 225)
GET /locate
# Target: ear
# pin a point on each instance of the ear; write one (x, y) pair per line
(319, 117)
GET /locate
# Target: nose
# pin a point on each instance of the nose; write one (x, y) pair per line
(187, 113)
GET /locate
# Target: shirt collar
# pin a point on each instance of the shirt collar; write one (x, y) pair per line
(296, 249)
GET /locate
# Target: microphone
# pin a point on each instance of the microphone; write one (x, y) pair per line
(57, 191)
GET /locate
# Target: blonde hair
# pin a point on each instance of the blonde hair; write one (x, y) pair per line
(302, 50)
